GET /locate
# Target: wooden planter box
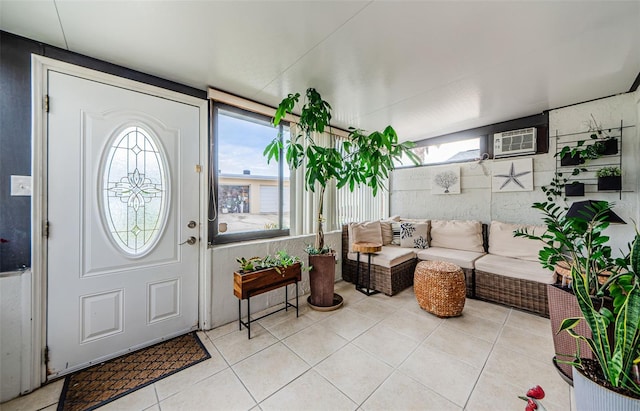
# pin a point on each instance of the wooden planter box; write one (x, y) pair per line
(257, 282)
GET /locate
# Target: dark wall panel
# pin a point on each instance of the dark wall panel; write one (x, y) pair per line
(15, 133)
(15, 148)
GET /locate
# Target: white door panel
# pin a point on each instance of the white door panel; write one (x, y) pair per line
(122, 188)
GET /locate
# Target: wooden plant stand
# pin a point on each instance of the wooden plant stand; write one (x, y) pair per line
(247, 285)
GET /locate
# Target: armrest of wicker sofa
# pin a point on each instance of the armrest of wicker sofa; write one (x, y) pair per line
(511, 274)
(461, 258)
(393, 275)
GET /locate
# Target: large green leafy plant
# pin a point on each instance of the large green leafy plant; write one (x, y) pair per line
(582, 245)
(359, 159)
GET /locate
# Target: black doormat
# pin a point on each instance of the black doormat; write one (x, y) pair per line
(100, 384)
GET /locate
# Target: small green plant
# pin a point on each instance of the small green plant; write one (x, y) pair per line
(312, 250)
(555, 187)
(277, 260)
(248, 264)
(585, 152)
(609, 172)
(597, 132)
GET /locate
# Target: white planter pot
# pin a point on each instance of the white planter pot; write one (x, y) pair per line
(594, 397)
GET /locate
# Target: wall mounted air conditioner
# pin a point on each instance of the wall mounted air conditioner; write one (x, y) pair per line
(514, 143)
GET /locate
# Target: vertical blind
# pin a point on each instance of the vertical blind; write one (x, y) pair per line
(361, 205)
(340, 206)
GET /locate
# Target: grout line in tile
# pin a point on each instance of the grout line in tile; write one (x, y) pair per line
(484, 364)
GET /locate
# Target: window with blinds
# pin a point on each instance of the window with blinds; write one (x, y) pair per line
(361, 205)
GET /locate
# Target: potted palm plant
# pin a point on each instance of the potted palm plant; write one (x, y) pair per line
(361, 158)
(579, 243)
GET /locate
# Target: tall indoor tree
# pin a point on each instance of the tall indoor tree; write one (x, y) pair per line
(359, 159)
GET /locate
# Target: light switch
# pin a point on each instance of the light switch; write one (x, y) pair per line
(20, 185)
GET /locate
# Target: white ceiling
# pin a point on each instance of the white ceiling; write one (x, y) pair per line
(426, 67)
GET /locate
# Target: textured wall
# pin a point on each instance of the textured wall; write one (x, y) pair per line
(15, 330)
(15, 149)
(224, 307)
(410, 194)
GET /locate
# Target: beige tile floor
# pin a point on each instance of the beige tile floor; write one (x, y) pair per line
(376, 353)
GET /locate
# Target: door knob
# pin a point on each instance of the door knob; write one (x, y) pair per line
(191, 241)
(191, 224)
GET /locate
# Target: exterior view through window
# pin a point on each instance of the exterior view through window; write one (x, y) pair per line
(453, 152)
(252, 196)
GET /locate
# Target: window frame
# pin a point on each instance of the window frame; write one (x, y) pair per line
(483, 147)
(215, 237)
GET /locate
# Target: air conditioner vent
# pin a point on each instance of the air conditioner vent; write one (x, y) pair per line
(514, 142)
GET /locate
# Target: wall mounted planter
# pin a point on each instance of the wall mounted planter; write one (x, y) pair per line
(575, 189)
(610, 183)
(569, 160)
(610, 146)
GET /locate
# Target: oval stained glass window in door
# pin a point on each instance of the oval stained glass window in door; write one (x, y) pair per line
(135, 191)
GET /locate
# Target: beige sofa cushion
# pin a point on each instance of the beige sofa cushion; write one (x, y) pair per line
(464, 259)
(365, 232)
(390, 256)
(414, 235)
(457, 234)
(514, 267)
(387, 231)
(503, 243)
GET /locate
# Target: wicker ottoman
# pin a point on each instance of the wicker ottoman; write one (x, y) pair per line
(439, 288)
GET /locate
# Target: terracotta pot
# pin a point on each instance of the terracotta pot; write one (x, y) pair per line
(321, 278)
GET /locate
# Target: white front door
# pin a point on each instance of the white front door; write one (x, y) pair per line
(122, 200)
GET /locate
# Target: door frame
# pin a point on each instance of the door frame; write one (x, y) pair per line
(34, 367)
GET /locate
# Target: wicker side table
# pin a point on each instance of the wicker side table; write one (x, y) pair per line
(439, 288)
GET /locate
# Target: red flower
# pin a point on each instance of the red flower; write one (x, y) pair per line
(536, 392)
(531, 405)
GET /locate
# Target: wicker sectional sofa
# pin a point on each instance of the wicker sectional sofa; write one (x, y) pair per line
(509, 273)
(387, 276)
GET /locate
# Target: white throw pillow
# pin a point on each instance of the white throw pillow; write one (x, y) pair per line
(457, 234)
(503, 243)
(414, 235)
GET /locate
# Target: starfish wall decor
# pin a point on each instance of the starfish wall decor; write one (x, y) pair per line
(513, 175)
